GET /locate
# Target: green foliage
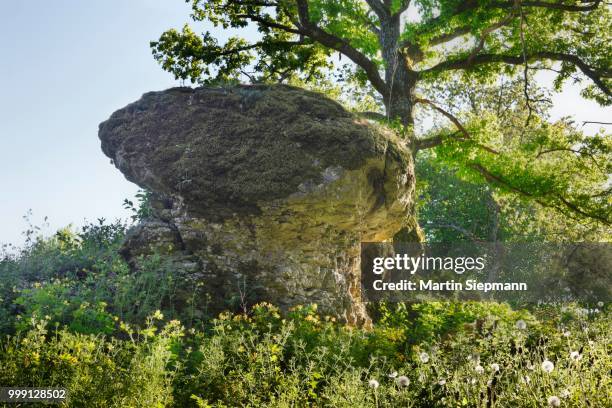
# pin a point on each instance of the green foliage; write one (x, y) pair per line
(111, 339)
(301, 37)
(98, 371)
(529, 164)
(142, 210)
(468, 355)
(456, 207)
(452, 209)
(552, 164)
(79, 280)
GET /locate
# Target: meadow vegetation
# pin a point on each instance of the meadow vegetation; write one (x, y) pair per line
(73, 315)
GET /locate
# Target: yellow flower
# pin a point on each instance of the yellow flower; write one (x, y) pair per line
(68, 358)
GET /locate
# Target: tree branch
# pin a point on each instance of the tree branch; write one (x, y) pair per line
(450, 116)
(473, 4)
(428, 143)
(268, 23)
(485, 34)
(258, 45)
(443, 38)
(341, 45)
(403, 7)
(465, 63)
(545, 4)
(595, 122)
(493, 178)
(436, 140)
(379, 8)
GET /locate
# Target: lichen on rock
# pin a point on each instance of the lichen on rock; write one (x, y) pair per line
(271, 189)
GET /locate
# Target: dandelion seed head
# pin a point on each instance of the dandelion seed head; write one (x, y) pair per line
(495, 367)
(373, 384)
(424, 357)
(565, 393)
(521, 325)
(441, 381)
(548, 366)
(600, 304)
(403, 381)
(479, 369)
(554, 401)
(575, 355)
(393, 374)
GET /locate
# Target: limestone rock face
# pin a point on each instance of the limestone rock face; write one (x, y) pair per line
(263, 193)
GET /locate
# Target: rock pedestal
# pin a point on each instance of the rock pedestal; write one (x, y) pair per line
(261, 193)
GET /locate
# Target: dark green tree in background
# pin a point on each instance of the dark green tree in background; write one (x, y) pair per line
(470, 63)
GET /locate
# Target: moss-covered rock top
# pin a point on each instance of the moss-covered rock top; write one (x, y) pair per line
(226, 150)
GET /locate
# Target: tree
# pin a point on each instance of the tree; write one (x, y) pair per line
(421, 52)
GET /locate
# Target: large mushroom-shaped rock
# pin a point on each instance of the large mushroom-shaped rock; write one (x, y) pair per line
(261, 193)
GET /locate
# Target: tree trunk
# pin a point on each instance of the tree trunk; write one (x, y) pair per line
(401, 82)
(399, 103)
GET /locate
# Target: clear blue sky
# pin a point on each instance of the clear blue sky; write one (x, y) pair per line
(66, 66)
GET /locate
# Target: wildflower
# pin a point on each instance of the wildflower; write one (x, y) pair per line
(554, 401)
(479, 369)
(575, 355)
(373, 384)
(403, 381)
(158, 315)
(521, 325)
(565, 393)
(393, 374)
(441, 381)
(424, 357)
(495, 367)
(547, 366)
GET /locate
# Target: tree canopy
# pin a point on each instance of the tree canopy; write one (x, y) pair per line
(451, 57)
